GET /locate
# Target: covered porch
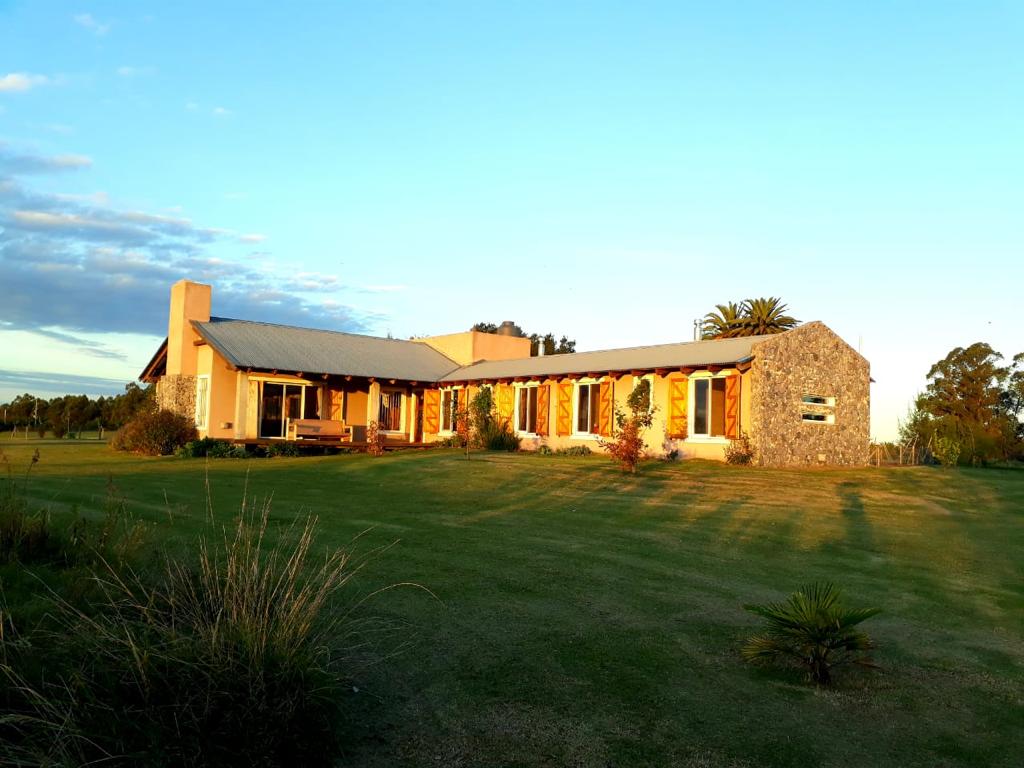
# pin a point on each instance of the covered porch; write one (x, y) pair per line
(326, 409)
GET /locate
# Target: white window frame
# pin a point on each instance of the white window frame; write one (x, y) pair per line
(517, 388)
(691, 398)
(202, 415)
(402, 407)
(451, 429)
(595, 385)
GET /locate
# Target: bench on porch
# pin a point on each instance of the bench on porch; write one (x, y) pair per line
(319, 429)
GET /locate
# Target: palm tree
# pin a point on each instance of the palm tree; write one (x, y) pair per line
(724, 323)
(813, 630)
(763, 316)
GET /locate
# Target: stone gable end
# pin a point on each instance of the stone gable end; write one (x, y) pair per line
(809, 361)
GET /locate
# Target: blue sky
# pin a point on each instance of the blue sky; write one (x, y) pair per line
(605, 170)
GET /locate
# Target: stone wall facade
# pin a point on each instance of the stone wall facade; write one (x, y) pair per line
(810, 360)
(175, 392)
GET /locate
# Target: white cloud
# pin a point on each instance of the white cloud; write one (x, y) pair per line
(71, 161)
(221, 111)
(253, 238)
(17, 163)
(86, 20)
(94, 198)
(385, 288)
(191, 106)
(18, 82)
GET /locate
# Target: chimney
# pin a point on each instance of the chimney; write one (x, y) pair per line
(189, 301)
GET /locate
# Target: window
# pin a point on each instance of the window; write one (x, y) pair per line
(821, 410)
(588, 404)
(708, 408)
(389, 415)
(280, 402)
(819, 400)
(821, 418)
(526, 409)
(202, 401)
(449, 408)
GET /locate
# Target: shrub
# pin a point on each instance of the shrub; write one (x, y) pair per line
(740, 451)
(812, 630)
(241, 661)
(627, 444)
(544, 450)
(212, 448)
(498, 435)
(946, 450)
(155, 433)
(41, 431)
(281, 449)
(575, 450)
(374, 439)
(482, 415)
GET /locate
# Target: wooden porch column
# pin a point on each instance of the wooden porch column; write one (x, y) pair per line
(413, 405)
(241, 404)
(373, 403)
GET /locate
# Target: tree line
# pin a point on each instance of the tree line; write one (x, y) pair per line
(970, 411)
(73, 414)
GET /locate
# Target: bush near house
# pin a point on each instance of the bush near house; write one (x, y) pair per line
(155, 433)
(740, 451)
(627, 444)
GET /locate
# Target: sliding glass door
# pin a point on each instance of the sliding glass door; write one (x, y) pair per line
(280, 402)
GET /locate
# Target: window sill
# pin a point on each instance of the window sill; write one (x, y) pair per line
(707, 439)
(583, 436)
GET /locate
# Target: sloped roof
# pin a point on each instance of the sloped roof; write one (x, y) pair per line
(690, 353)
(265, 346)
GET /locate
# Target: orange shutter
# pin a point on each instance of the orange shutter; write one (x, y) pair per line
(543, 393)
(563, 425)
(677, 407)
(732, 407)
(431, 412)
(506, 402)
(604, 416)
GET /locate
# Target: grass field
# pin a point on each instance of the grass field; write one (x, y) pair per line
(587, 618)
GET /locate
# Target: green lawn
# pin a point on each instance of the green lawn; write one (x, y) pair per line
(588, 618)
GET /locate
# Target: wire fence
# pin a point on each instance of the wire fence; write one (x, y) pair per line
(900, 454)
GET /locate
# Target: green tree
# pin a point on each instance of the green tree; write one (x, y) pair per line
(973, 399)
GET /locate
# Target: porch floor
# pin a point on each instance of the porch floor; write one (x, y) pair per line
(358, 445)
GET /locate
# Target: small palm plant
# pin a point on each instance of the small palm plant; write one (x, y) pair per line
(813, 629)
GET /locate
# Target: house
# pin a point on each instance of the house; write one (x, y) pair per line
(802, 396)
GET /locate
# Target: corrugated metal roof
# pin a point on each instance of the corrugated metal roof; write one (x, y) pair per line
(691, 353)
(247, 344)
